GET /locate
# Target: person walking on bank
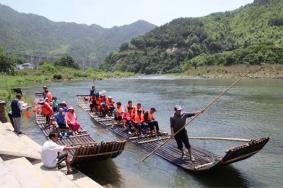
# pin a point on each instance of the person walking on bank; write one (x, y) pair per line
(17, 107)
(178, 122)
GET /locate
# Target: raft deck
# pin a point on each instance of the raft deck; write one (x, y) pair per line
(204, 160)
(88, 149)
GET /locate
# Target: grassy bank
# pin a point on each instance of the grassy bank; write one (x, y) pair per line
(274, 71)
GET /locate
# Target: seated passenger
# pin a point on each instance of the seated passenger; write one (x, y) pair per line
(129, 105)
(151, 122)
(55, 104)
(103, 109)
(47, 95)
(71, 120)
(63, 105)
(139, 122)
(110, 105)
(46, 110)
(118, 113)
(128, 119)
(138, 107)
(50, 156)
(60, 119)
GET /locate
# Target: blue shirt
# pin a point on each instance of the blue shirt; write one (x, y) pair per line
(60, 118)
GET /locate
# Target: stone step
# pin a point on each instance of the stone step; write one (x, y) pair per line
(25, 174)
(12, 144)
(7, 180)
(78, 180)
(56, 176)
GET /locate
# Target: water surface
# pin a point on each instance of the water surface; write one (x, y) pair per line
(252, 109)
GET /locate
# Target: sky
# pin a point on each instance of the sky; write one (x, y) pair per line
(109, 13)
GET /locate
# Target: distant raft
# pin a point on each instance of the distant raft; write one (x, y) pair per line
(89, 149)
(204, 160)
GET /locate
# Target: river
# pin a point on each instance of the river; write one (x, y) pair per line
(251, 109)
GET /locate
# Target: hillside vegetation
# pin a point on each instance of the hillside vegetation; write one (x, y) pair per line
(35, 35)
(252, 34)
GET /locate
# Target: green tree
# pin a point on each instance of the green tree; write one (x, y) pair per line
(7, 62)
(67, 61)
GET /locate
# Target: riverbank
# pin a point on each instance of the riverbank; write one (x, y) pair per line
(20, 164)
(272, 71)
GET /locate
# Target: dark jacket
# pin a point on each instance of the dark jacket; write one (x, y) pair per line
(177, 122)
(15, 107)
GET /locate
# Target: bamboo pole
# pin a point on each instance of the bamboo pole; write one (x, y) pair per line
(221, 138)
(194, 117)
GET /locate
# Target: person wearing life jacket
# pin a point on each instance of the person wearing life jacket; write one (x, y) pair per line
(139, 122)
(71, 120)
(138, 107)
(47, 94)
(129, 105)
(110, 105)
(118, 113)
(151, 122)
(46, 110)
(128, 119)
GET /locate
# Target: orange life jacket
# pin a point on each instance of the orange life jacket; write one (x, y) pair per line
(119, 111)
(126, 109)
(139, 118)
(109, 103)
(49, 97)
(136, 110)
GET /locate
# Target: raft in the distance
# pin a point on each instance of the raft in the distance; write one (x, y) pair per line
(204, 160)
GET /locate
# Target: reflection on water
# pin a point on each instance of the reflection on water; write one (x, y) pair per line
(104, 172)
(251, 109)
(228, 176)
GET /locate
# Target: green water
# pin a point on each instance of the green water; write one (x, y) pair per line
(252, 109)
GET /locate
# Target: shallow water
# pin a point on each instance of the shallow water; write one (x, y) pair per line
(252, 109)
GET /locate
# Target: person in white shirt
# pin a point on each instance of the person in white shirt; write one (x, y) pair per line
(50, 156)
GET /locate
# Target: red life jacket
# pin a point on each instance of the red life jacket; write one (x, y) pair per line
(129, 115)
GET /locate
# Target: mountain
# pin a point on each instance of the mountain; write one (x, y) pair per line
(35, 35)
(252, 34)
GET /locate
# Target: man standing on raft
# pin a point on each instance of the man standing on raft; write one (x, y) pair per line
(178, 122)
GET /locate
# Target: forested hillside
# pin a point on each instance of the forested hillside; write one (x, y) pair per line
(36, 35)
(252, 34)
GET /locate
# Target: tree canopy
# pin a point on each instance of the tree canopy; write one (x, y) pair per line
(249, 35)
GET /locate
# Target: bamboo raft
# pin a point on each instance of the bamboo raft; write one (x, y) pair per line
(88, 149)
(204, 160)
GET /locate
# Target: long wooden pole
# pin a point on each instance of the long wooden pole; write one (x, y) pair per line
(194, 117)
(220, 138)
